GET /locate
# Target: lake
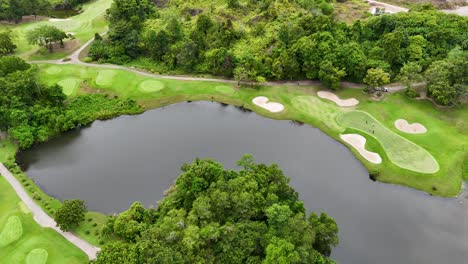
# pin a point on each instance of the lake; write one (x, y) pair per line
(136, 158)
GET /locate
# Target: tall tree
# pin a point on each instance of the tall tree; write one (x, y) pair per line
(70, 215)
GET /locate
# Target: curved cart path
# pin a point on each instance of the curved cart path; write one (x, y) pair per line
(44, 219)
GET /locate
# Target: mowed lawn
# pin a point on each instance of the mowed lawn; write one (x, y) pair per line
(431, 162)
(23, 241)
(399, 150)
(83, 26)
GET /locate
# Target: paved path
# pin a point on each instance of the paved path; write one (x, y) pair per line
(44, 219)
(388, 7)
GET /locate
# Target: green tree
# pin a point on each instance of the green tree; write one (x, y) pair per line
(376, 77)
(6, 43)
(46, 36)
(326, 233)
(330, 75)
(70, 214)
(410, 73)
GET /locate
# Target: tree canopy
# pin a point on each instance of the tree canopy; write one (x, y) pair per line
(275, 40)
(215, 215)
(71, 214)
(32, 112)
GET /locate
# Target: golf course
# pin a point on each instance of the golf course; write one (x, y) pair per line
(412, 142)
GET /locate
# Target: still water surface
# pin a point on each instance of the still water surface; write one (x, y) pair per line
(135, 158)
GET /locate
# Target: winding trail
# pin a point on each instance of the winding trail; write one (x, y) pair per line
(44, 219)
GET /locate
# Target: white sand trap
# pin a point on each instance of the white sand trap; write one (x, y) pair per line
(59, 19)
(415, 128)
(340, 102)
(359, 142)
(262, 101)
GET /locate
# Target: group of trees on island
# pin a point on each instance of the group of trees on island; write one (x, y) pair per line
(281, 40)
(215, 215)
(33, 112)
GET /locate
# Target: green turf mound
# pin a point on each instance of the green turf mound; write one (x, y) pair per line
(151, 86)
(37, 256)
(12, 231)
(106, 77)
(69, 86)
(224, 89)
(52, 70)
(399, 150)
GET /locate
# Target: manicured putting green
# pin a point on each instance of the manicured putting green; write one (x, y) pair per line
(37, 256)
(105, 77)
(12, 231)
(69, 86)
(52, 70)
(224, 89)
(151, 86)
(399, 150)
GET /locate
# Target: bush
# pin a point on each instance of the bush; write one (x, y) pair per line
(411, 92)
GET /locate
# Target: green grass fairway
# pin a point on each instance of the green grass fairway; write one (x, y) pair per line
(224, 89)
(105, 78)
(323, 111)
(11, 232)
(7, 150)
(54, 70)
(37, 256)
(399, 150)
(59, 250)
(151, 86)
(69, 86)
(83, 26)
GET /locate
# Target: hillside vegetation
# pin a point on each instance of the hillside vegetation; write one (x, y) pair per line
(280, 40)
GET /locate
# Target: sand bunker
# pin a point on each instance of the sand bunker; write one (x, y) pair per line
(262, 101)
(59, 19)
(415, 128)
(359, 142)
(340, 102)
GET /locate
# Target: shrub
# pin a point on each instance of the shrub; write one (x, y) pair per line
(411, 92)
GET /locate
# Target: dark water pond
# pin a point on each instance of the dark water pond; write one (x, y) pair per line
(113, 163)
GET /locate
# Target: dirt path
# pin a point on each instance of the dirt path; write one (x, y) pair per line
(44, 219)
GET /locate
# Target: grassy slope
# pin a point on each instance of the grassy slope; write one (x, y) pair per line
(83, 26)
(446, 138)
(59, 250)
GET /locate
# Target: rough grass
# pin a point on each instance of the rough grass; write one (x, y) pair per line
(83, 26)
(34, 236)
(151, 86)
(37, 256)
(400, 151)
(7, 150)
(11, 232)
(302, 104)
(69, 86)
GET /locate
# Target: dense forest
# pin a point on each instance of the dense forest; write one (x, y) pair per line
(14, 10)
(215, 215)
(32, 112)
(283, 40)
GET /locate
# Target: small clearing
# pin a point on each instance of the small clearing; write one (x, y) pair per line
(338, 101)
(54, 70)
(415, 128)
(105, 77)
(359, 143)
(69, 86)
(273, 107)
